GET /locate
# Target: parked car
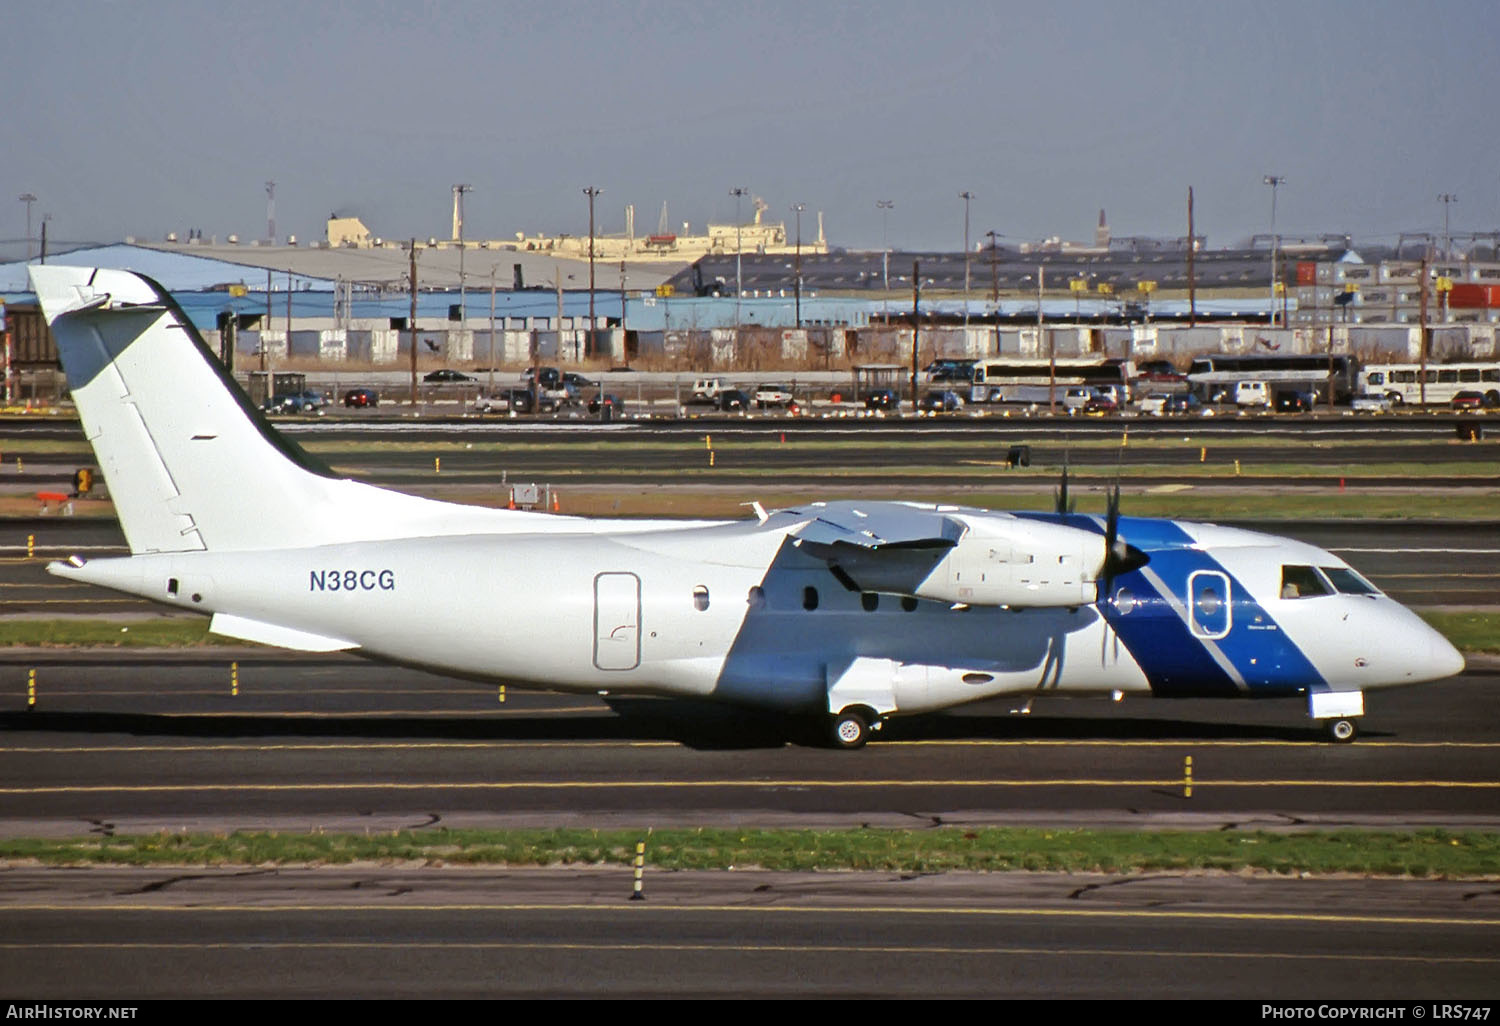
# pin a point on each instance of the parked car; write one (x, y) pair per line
(614, 402)
(1184, 404)
(733, 399)
(1468, 400)
(290, 402)
(1154, 404)
(362, 397)
(516, 400)
(1370, 402)
(772, 395)
(549, 377)
(1252, 393)
(578, 381)
(1293, 401)
(1100, 402)
(317, 400)
(707, 390)
(447, 375)
(1160, 370)
(941, 400)
(1076, 397)
(882, 399)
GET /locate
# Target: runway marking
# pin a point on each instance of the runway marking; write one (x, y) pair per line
(638, 785)
(718, 949)
(462, 745)
(821, 910)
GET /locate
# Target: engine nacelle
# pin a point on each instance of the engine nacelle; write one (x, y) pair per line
(1009, 561)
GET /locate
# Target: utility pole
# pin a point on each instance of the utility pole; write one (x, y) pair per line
(995, 283)
(1041, 271)
(491, 383)
(591, 192)
(738, 192)
(1192, 281)
(1422, 373)
(916, 303)
(412, 321)
(624, 334)
(966, 197)
(271, 212)
(884, 206)
(797, 272)
(458, 233)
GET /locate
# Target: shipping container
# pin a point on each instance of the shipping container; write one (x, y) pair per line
(1307, 272)
(1471, 295)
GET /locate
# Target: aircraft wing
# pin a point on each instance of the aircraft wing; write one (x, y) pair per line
(884, 546)
(878, 526)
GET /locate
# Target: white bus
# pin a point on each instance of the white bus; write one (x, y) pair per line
(1401, 383)
(1216, 377)
(1032, 381)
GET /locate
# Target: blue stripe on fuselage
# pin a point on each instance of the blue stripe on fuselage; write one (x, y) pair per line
(1255, 658)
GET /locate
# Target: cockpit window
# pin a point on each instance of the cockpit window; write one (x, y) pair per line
(1302, 582)
(1348, 582)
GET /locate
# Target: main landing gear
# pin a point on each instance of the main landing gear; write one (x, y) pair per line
(853, 727)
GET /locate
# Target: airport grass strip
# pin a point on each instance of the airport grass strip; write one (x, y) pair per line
(1424, 854)
(81, 633)
(1468, 631)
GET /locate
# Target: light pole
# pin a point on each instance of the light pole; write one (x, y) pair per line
(797, 208)
(884, 206)
(28, 199)
(966, 197)
(1446, 199)
(738, 192)
(1273, 181)
(591, 192)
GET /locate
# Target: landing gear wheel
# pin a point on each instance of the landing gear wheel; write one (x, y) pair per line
(850, 729)
(1342, 731)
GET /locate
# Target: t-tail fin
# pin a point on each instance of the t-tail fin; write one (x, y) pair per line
(190, 463)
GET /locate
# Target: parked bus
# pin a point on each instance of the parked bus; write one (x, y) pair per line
(1215, 378)
(1033, 381)
(1401, 383)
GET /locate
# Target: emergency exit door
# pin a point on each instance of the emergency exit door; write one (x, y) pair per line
(617, 621)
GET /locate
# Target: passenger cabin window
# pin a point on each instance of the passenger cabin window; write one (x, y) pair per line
(1348, 582)
(1302, 582)
(700, 598)
(757, 597)
(870, 600)
(809, 598)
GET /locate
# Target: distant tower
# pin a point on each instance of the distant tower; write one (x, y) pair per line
(271, 211)
(1101, 234)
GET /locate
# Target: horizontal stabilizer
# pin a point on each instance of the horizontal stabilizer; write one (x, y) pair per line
(274, 634)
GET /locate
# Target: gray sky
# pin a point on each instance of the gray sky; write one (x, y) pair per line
(145, 117)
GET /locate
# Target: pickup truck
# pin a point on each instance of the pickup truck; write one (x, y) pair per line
(772, 395)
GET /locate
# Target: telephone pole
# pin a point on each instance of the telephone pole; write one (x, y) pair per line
(591, 193)
(411, 320)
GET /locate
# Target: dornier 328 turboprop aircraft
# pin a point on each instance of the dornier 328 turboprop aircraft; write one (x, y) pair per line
(853, 611)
